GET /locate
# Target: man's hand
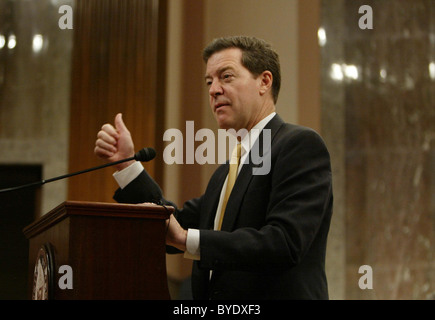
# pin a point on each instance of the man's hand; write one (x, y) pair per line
(115, 143)
(175, 235)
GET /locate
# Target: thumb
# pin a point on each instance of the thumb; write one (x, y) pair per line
(119, 124)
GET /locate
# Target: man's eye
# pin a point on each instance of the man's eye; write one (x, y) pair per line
(227, 76)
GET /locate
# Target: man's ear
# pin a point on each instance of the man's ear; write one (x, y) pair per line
(266, 82)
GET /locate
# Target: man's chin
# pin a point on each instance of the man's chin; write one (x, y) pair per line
(225, 125)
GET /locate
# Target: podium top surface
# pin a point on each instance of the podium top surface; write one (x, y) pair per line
(97, 209)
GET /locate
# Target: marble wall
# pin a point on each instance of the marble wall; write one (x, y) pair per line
(378, 106)
(35, 62)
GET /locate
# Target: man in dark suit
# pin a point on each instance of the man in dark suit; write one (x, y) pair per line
(268, 239)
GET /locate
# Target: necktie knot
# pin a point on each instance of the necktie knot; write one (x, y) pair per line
(235, 156)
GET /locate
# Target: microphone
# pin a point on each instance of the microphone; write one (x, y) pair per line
(144, 155)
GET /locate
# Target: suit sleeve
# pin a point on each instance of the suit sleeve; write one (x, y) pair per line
(145, 189)
(140, 190)
(301, 193)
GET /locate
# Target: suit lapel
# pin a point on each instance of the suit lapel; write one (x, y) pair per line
(245, 176)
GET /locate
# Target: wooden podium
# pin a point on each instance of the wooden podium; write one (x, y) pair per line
(101, 250)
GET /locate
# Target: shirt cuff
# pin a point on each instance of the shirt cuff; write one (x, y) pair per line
(127, 175)
(192, 245)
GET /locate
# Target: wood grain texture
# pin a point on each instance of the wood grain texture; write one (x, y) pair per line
(118, 66)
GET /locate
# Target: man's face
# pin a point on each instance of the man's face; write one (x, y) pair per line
(235, 98)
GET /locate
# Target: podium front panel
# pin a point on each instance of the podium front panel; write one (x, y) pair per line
(114, 251)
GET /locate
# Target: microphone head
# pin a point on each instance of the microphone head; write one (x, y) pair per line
(145, 154)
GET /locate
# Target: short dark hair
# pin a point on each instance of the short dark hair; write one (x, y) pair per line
(257, 56)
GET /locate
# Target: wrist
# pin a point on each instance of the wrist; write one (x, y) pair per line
(176, 236)
(124, 165)
(181, 240)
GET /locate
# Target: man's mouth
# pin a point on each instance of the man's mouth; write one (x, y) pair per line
(220, 105)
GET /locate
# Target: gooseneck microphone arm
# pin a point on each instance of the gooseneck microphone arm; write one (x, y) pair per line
(144, 155)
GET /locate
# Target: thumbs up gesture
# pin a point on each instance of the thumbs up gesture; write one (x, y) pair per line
(115, 142)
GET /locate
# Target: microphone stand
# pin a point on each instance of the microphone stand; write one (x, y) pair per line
(138, 156)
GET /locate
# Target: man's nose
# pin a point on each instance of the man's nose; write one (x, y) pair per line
(215, 89)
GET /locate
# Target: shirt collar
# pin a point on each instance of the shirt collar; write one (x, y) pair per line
(252, 136)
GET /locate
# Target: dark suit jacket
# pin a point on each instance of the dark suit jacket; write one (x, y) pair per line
(273, 239)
